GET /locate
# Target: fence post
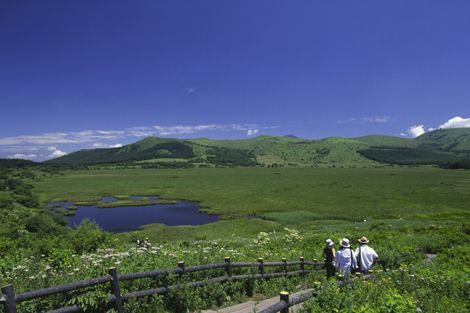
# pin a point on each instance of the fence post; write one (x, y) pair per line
(182, 267)
(10, 301)
(228, 266)
(261, 267)
(284, 295)
(302, 266)
(284, 260)
(116, 290)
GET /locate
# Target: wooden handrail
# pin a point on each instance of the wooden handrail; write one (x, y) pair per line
(61, 288)
(286, 302)
(10, 300)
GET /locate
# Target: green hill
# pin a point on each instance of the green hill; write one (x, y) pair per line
(437, 147)
(147, 148)
(409, 156)
(388, 141)
(444, 147)
(16, 163)
(263, 150)
(296, 151)
(454, 139)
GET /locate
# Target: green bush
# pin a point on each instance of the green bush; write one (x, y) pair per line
(40, 223)
(87, 237)
(5, 201)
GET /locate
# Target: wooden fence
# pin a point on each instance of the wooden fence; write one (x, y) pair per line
(285, 302)
(116, 298)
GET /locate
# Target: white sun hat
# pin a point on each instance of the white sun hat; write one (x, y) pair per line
(363, 240)
(344, 242)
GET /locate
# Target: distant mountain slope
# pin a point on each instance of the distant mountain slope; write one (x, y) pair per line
(16, 163)
(409, 156)
(437, 147)
(454, 139)
(285, 150)
(442, 146)
(147, 148)
(389, 141)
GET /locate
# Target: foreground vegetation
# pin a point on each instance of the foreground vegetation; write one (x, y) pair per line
(269, 213)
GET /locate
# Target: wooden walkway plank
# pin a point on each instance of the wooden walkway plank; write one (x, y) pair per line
(253, 306)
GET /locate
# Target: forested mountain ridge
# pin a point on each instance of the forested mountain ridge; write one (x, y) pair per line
(436, 147)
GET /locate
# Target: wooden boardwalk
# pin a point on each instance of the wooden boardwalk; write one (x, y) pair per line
(255, 306)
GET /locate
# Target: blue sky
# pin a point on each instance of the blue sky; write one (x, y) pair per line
(84, 74)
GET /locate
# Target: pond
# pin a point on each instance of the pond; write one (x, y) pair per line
(127, 218)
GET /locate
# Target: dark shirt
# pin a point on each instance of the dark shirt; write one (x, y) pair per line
(329, 254)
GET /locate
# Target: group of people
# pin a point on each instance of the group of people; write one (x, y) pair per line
(145, 244)
(346, 260)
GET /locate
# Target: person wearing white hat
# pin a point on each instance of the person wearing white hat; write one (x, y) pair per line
(366, 256)
(329, 255)
(147, 243)
(345, 260)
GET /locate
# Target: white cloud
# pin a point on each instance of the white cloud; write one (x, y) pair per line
(57, 153)
(23, 156)
(19, 149)
(456, 122)
(187, 129)
(141, 132)
(377, 119)
(416, 130)
(106, 138)
(105, 145)
(184, 129)
(111, 132)
(191, 90)
(367, 119)
(252, 132)
(191, 129)
(60, 138)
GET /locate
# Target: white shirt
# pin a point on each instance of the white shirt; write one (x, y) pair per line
(367, 257)
(343, 260)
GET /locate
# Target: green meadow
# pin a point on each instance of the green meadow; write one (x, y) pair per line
(259, 199)
(348, 192)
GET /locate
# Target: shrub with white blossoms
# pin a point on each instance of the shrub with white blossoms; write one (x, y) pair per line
(292, 235)
(262, 239)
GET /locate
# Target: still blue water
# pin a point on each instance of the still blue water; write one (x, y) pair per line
(122, 219)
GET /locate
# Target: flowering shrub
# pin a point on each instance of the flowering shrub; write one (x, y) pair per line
(62, 266)
(292, 236)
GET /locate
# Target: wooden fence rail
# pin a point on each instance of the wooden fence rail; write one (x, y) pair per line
(286, 301)
(116, 299)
